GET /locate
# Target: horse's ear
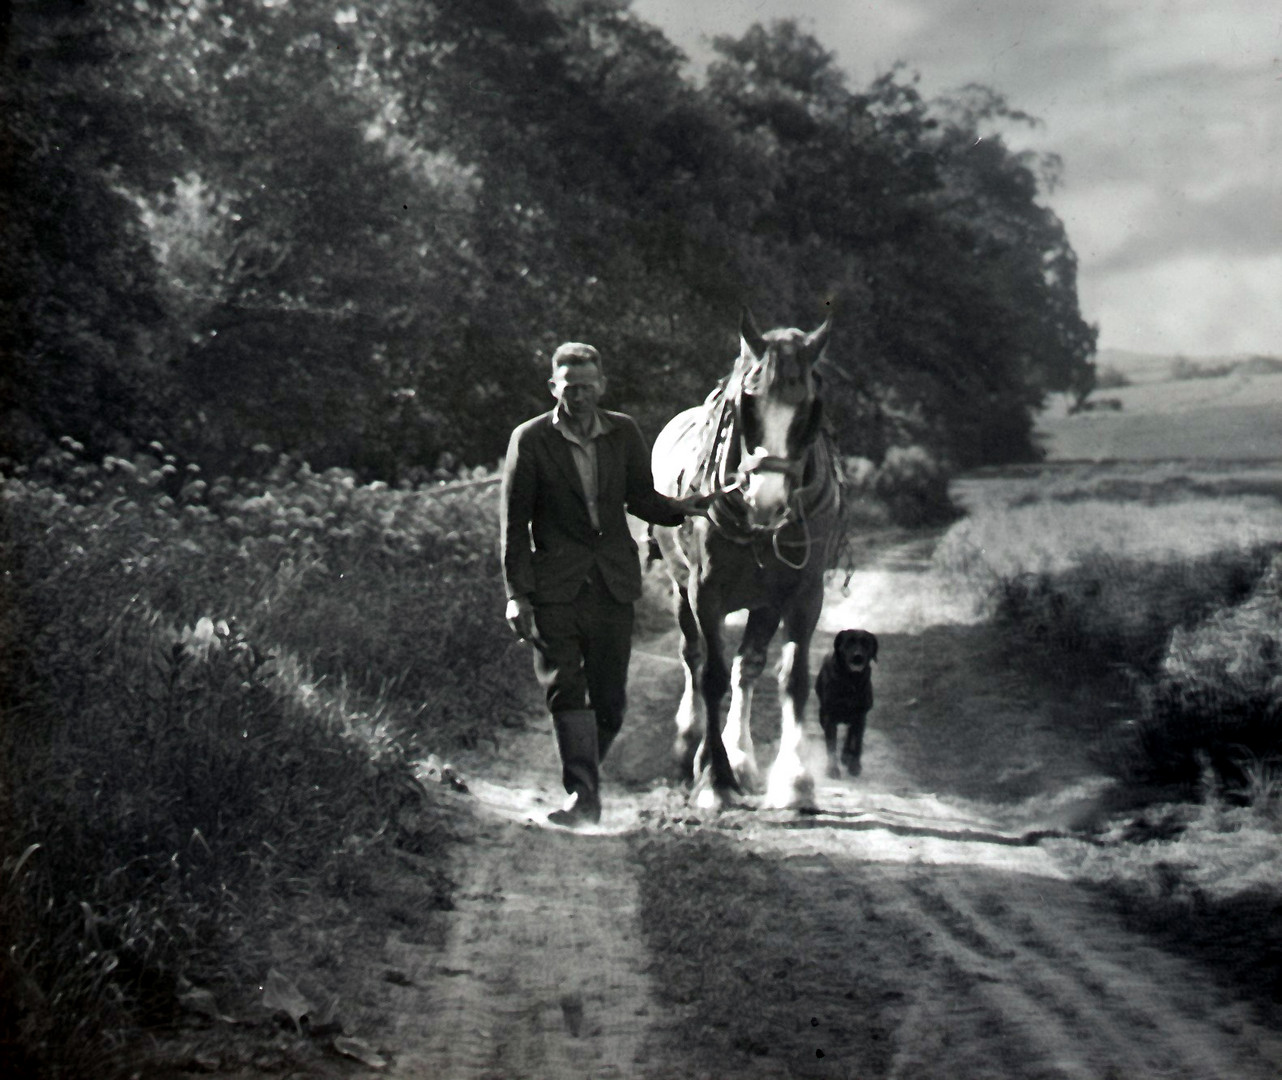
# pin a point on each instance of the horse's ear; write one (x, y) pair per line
(817, 340)
(750, 334)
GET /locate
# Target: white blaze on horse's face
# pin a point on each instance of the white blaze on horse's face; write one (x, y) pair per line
(767, 492)
(777, 376)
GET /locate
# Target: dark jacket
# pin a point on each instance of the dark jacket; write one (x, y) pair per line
(549, 544)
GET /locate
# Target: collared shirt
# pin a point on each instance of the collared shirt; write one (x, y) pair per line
(583, 449)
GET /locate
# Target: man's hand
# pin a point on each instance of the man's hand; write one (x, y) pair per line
(694, 505)
(520, 617)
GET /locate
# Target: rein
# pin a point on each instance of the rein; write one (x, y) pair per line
(721, 475)
(728, 509)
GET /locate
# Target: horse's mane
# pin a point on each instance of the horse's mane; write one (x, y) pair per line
(719, 454)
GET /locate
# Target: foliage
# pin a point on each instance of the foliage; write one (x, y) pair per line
(79, 311)
(1183, 368)
(1215, 700)
(914, 486)
(199, 714)
(354, 233)
(1164, 578)
(1119, 611)
(925, 236)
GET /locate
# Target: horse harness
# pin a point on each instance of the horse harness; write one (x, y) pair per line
(722, 472)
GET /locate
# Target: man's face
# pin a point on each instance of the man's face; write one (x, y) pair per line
(577, 389)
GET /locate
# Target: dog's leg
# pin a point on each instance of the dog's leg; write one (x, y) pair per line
(829, 726)
(852, 753)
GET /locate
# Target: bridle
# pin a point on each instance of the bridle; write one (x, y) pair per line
(724, 474)
(728, 510)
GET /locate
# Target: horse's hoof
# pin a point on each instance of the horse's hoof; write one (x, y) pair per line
(747, 777)
(793, 793)
(834, 772)
(708, 799)
(713, 793)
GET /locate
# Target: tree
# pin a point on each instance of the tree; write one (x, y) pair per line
(80, 317)
(960, 285)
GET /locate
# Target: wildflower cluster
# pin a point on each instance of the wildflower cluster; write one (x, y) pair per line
(213, 688)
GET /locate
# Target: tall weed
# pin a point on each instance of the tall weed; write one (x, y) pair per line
(210, 695)
(1177, 594)
(1217, 700)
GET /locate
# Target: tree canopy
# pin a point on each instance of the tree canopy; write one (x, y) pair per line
(355, 231)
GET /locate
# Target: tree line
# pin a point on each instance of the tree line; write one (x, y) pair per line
(354, 231)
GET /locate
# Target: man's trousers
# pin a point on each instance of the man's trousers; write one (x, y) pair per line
(583, 664)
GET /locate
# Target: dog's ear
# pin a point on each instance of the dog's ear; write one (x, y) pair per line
(842, 637)
(873, 638)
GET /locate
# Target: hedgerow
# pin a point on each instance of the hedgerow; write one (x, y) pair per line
(212, 695)
(1164, 602)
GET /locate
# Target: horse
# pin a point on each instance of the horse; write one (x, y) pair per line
(758, 450)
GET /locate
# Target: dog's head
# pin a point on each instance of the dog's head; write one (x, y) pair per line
(855, 650)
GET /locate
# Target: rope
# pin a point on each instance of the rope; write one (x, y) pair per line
(805, 544)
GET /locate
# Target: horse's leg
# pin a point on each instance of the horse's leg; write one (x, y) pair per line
(715, 779)
(690, 713)
(790, 783)
(748, 665)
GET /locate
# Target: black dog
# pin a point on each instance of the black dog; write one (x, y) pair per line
(844, 688)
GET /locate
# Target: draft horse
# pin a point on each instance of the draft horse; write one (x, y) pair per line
(758, 448)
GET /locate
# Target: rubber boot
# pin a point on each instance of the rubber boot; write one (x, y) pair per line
(604, 738)
(576, 739)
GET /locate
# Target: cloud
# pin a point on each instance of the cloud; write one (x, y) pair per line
(1230, 224)
(1194, 304)
(1167, 115)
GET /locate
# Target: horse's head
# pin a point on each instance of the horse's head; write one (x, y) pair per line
(779, 413)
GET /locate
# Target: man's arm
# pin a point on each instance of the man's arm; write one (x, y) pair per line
(516, 508)
(642, 500)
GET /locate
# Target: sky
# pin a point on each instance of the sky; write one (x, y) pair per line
(1167, 114)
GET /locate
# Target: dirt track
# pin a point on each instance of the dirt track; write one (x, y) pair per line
(919, 926)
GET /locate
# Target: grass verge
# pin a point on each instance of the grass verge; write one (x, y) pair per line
(212, 698)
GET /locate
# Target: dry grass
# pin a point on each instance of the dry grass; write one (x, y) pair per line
(1166, 571)
(1202, 878)
(1231, 418)
(212, 696)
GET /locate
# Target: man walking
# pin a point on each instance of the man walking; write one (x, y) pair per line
(570, 565)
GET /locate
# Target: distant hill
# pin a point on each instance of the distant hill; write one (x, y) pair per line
(1141, 367)
(1232, 417)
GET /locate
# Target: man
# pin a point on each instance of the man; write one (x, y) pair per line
(570, 564)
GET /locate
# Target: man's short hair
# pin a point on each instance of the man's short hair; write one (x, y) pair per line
(576, 352)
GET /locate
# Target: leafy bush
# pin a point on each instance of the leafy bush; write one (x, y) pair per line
(909, 488)
(1121, 611)
(1110, 378)
(212, 692)
(1217, 700)
(1183, 368)
(914, 485)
